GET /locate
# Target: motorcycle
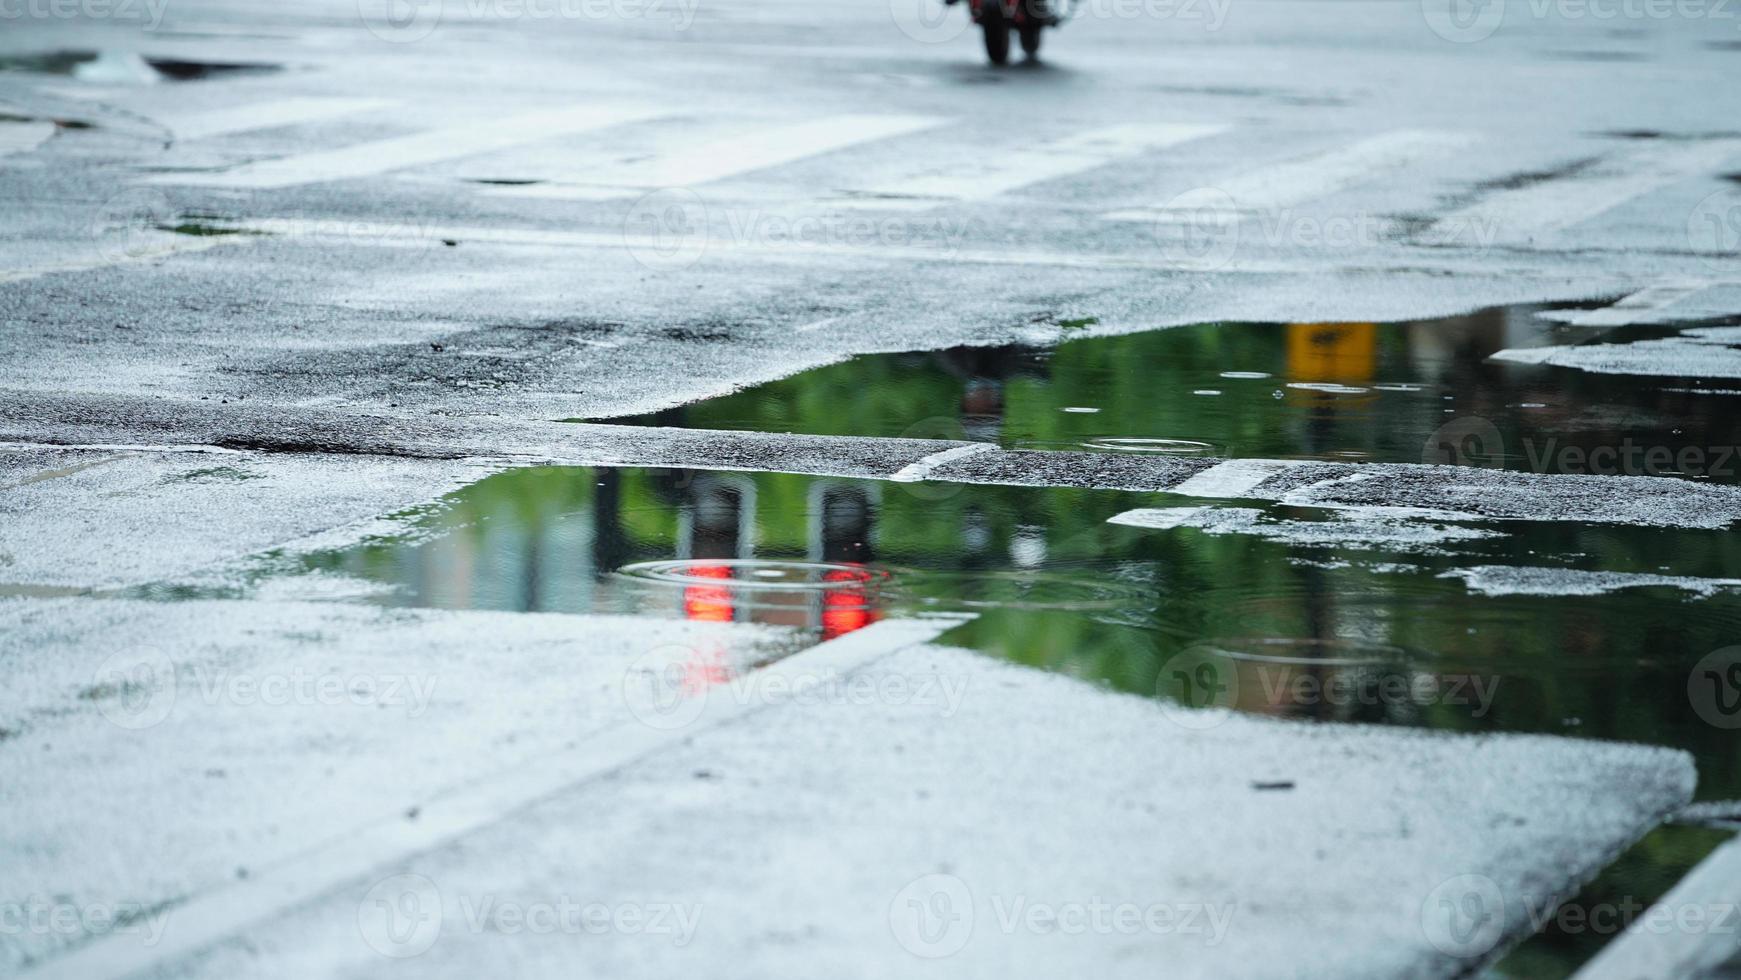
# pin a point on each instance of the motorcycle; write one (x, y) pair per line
(1027, 17)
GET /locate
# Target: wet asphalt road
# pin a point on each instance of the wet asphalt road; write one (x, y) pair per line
(274, 278)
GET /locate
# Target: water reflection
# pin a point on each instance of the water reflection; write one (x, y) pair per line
(1304, 628)
(1334, 391)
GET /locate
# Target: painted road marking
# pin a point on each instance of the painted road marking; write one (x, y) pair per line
(399, 152)
(1648, 949)
(22, 137)
(388, 235)
(1156, 518)
(921, 469)
(751, 150)
(278, 886)
(1015, 169)
(1234, 478)
(1634, 308)
(176, 246)
(266, 115)
(1521, 215)
(1295, 182)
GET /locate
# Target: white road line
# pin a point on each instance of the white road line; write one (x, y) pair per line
(364, 233)
(266, 115)
(1156, 518)
(1633, 308)
(1521, 215)
(22, 137)
(755, 149)
(269, 891)
(165, 250)
(1298, 181)
(1003, 172)
(1234, 478)
(921, 469)
(399, 152)
(1646, 949)
(819, 324)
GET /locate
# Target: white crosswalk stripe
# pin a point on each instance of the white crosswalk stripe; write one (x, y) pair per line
(396, 153)
(22, 137)
(1521, 215)
(1000, 173)
(266, 115)
(751, 150)
(1637, 307)
(1295, 182)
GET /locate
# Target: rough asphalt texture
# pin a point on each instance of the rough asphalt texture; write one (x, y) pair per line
(343, 349)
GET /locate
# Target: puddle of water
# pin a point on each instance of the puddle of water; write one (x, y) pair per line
(1295, 627)
(1403, 392)
(1576, 931)
(1300, 627)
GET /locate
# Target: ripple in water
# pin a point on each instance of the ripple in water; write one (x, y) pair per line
(757, 574)
(1170, 447)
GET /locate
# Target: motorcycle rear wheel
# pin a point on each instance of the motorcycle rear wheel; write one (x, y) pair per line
(1030, 31)
(997, 32)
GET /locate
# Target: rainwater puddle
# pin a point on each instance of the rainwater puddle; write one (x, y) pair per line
(1424, 391)
(1301, 627)
(1291, 612)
